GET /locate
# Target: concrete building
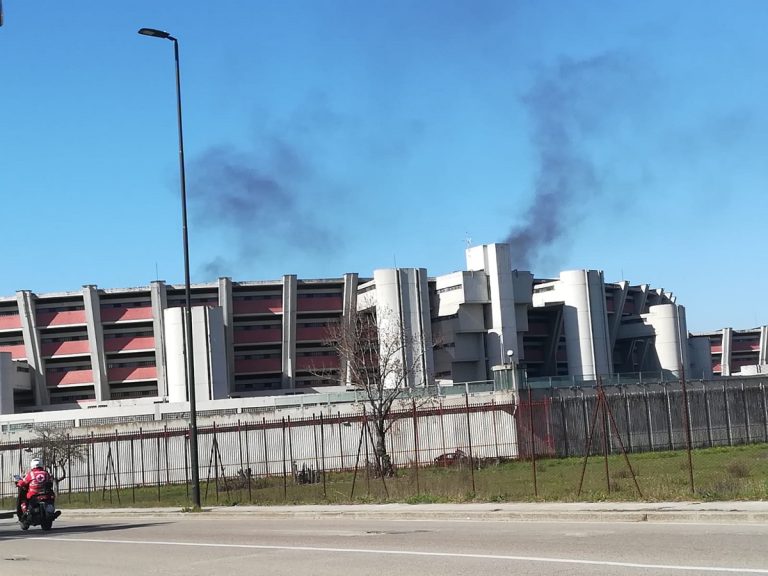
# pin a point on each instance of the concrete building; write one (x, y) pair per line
(730, 352)
(93, 346)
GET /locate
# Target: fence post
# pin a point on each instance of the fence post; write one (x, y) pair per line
(727, 416)
(746, 414)
(495, 429)
(628, 417)
(322, 452)
(564, 424)
(341, 442)
(687, 423)
(285, 471)
(532, 440)
(650, 420)
(765, 412)
(585, 417)
(416, 445)
(266, 455)
(708, 414)
(141, 445)
(469, 438)
(669, 417)
(133, 474)
(248, 462)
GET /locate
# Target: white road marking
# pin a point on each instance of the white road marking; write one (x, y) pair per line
(418, 553)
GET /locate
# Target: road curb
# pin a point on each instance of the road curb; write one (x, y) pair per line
(403, 513)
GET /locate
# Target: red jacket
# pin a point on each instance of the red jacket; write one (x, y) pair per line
(36, 481)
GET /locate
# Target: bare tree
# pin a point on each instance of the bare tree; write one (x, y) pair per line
(57, 450)
(382, 360)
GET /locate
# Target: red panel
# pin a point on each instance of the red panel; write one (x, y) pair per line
(71, 377)
(64, 318)
(316, 362)
(716, 349)
(10, 322)
(537, 329)
(132, 373)
(258, 336)
(126, 314)
(260, 365)
(65, 348)
(533, 354)
(746, 346)
(124, 344)
(312, 333)
(318, 304)
(273, 306)
(17, 351)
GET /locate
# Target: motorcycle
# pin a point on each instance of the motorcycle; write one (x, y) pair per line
(41, 508)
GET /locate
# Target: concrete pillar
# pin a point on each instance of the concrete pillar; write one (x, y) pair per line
(763, 356)
(348, 311)
(7, 381)
(725, 358)
(26, 302)
(91, 302)
(225, 302)
(290, 287)
(159, 295)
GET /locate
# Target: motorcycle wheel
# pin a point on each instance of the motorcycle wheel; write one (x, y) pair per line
(24, 525)
(46, 524)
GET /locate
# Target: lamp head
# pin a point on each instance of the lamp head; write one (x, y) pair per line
(155, 33)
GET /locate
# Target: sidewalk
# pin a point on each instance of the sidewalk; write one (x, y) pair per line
(715, 512)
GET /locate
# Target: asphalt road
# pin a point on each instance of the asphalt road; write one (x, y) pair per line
(192, 545)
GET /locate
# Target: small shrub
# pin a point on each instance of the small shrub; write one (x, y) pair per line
(738, 469)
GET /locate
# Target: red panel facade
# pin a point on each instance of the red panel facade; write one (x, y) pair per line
(319, 304)
(63, 318)
(273, 305)
(312, 333)
(258, 336)
(129, 343)
(317, 362)
(10, 322)
(71, 347)
(71, 377)
(130, 373)
(126, 314)
(258, 365)
(17, 351)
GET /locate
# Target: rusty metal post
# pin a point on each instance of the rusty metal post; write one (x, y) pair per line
(248, 461)
(322, 454)
(285, 471)
(602, 400)
(687, 424)
(469, 439)
(532, 440)
(588, 447)
(416, 445)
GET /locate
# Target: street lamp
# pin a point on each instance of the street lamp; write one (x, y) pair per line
(188, 308)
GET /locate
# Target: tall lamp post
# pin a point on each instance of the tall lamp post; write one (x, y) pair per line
(188, 307)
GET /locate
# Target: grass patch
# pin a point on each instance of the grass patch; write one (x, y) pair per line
(736, 473)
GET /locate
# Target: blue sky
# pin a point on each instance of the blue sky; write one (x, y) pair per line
(325, 137)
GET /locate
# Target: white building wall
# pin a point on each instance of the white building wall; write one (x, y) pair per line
(402, 303)
(176, 370)
(668, 322)
(495, 261)
(585, 321)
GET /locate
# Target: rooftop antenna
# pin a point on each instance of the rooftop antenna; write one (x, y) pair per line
(467, 240)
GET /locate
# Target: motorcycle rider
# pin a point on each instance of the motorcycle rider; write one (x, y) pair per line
(36, 481)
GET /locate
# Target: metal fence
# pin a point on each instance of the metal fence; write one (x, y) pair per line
(659, 440)
(309, 447)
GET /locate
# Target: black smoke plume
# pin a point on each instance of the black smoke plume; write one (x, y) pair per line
(566, 105)
(259, 202)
